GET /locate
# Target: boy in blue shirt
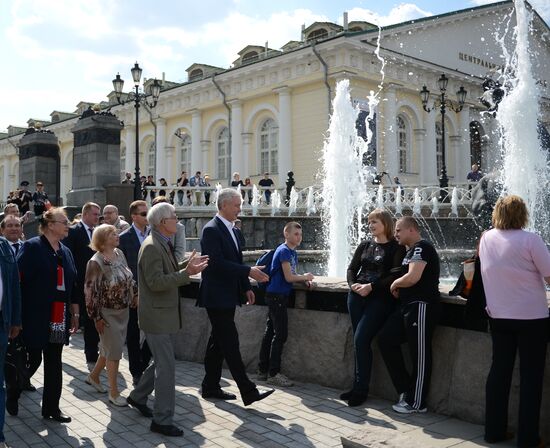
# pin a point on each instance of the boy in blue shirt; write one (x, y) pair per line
(283, 275)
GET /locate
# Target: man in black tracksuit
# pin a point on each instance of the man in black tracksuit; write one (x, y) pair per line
(414, 320)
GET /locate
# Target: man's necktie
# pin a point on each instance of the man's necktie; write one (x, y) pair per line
(237, 237)
(16, 247)
(91, 232)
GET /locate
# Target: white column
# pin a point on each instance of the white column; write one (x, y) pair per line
(456, 148)
(285, 134)
(419, 138)
(64, 183)
(169, 173)
(5, 180)
(130, 132)
(428, 170)
(196, 148)
(464, 151)
(205, 149)
(236, 138)
(246, 139)
(391, 160)
(160, 143)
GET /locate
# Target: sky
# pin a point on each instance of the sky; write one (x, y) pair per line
(56, 53)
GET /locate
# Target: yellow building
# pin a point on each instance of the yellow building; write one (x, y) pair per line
(269, 112)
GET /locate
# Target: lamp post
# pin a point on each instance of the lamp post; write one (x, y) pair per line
(443, 103)
(137, 97)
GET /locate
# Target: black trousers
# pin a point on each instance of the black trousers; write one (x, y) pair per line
(275, 335)
(91, 337)
(224, 344)
(530, 337)
(53, 375)
(413, 323)
(138, 355)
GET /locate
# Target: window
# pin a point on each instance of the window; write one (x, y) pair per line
(223, 156)
(269, 147)
(439, 147)
(185, 155)
(251, 56)
(403, 144)
(196, 74)
(151, 160)
(317, 34)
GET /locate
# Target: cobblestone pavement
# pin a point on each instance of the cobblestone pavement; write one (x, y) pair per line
(305, 415)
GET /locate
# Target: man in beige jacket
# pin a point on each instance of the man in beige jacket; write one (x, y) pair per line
(159, 315)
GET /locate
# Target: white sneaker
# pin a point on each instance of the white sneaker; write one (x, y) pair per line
(97, 386)
(119, 401)
(406, 408)
(402, 401)
(279, 380)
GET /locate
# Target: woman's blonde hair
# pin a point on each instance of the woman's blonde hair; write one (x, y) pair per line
(100, 235)
(510, 212)
(49, 216)
(385, 218)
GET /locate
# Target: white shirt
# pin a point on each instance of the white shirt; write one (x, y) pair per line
(141, 235)
(12, 243)
(88, 228)
(229, 226)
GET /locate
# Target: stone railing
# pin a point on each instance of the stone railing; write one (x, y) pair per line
(262, 200)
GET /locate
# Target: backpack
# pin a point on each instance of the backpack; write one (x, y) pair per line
(265, 260)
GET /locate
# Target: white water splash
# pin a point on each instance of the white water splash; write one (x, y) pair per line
(293, 203)
(525, 169)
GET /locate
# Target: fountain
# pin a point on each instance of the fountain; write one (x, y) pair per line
(292, 204)
(275, 202)
(435, 207)
(454, 204)
(310, 203)
(417, 210)
(398, 202)
(256, 195)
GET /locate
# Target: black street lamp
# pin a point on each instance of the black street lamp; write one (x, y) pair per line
(137, 98)
(443, 102)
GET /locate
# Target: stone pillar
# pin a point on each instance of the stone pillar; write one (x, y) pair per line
(420, 138)
(285, 134)
(236, 138)
(246, 139)
(205, 149)
(39, 160)
(391, 156)
(197, 164)
(428, 170)
(96, 158)
(130, 132)
(160, 144)
(464, 151)
(170, 165)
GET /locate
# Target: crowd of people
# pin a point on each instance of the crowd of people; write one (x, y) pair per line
(180, 197)
(120, 283)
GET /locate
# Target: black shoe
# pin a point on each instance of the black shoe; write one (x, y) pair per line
(256, 395)
(346, 395)
(506, 436)
(357, 399)
(219, 394)
(135, 380)
(167, 430)
(145, 410)
(59, 417)
(12, 406)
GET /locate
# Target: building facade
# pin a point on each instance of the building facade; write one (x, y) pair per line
(270, 111)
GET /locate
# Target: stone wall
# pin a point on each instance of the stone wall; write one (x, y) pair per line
(319, 350)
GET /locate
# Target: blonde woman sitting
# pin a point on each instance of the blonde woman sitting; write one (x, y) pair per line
(110, 290)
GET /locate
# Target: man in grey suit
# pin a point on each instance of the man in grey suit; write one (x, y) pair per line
(159, 315)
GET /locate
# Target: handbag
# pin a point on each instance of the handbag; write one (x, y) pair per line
(47, 204)
(16, 364)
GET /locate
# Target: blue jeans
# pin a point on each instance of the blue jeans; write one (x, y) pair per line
(276, 333)
(368, 315)
(3, 348)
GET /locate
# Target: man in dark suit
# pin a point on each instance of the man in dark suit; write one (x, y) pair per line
(224, 283)
(130, 242)
(10, 316)
(78, 241)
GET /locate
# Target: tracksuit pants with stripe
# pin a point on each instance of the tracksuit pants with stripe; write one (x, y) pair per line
(413, 323)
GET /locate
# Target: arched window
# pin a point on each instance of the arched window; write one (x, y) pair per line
(185, 155)
(439, 147)
(403, 145)
(151, 160)
(317, 34)
(251, 56)
(223, 156)
(123, 160)
(196, 74)
(269, 147)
